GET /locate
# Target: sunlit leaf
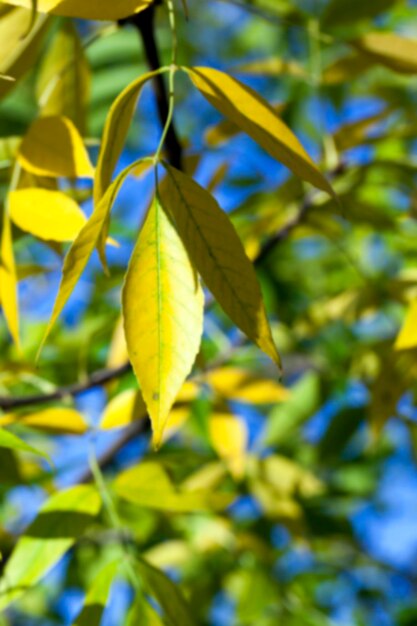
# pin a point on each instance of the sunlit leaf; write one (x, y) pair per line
(91, 10)
(54, 147)
(62, 520)
(97, 596)
(255, 116)
(60, 420)
(49, 215)
(407, 337)
(123, 409)
(10, 441)
(389, 49)
(246, 386)
(163, 315)
(8, 280)
(219, 256)
(229, 437)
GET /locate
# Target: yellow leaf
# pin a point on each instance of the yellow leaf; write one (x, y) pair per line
(49, 215)
(394, 51)
(256, 117)
(114, 135)
(19, 53)
(87, 9)
(8, 280)
(218, 255)
(407, 337)
(123, 409)
(163, 315)
(245, 386)
(346, 68)
(54, 147)
(83, 247)
(63, 84)
(57, 420)
(118, 349)
(148, 485)
(229, 437)
(272, 67)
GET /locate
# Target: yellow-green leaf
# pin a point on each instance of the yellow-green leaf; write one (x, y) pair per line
(256, 117)
(8, 280)
(97, 596)
(49, 215)
(218, 254)
(394, 51)
(229, 437)
(90, 9)
(57, 420)
(54, 147)
(63, 84)
(19, 53)
(123, 409)
(115, 132)
(245, 386)
(61, 521)
(11, 442)
(407, 337)
(163, 315)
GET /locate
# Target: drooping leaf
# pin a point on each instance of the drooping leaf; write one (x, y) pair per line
(62, 520)
(163, 315)
(10, 441)
(19, 53)
(97, 596)
(8, 280)
(346, 68)
(341, 12)
(123, 409)
(218, 254)
(63, 83)
(91, 10)
(407, 337)
(54, 147)
(255, 116)
(229, 437)
(246, 386)
(167, 594)
(148, 485)
(49, 215)
(59, 420)
(83, 247)
(389, 49)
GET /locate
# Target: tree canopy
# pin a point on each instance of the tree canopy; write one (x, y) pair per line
(208, 285)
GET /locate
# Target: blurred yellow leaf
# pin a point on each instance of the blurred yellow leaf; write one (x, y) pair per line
(218, 254)
(407, 337)
(49, 215)
(8, 280)
(246, 386)
(163, 313)
(229, 437)
(87, 9)
(57, 420)
(256, 117)
(54, 147)
(390, 49)
(123, 409)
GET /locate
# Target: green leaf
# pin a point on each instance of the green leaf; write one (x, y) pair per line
(62, 520)
(256, 117)
(8, 280)
(163, 309)
(91, 10)
(167, 594)
(97, 596)
(218, 255)
(10, 441)
(341, 12)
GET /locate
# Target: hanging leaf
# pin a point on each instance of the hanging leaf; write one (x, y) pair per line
(91, 10)
(255, 116)
(54, 147)
(57, 420)
(8, 280)
(167, 594)
(63, 84)
(389, 49)
(229, 437)
(218, 255)
(19, 52)
(342, 12)
(123, 409)
(407, 337)
(62, 520)
(246, 386)
(163, 315)
(49, 215)
(97, 596)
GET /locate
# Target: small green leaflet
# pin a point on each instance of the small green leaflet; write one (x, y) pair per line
(9, 440)
(61, 521)
(97, 596)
